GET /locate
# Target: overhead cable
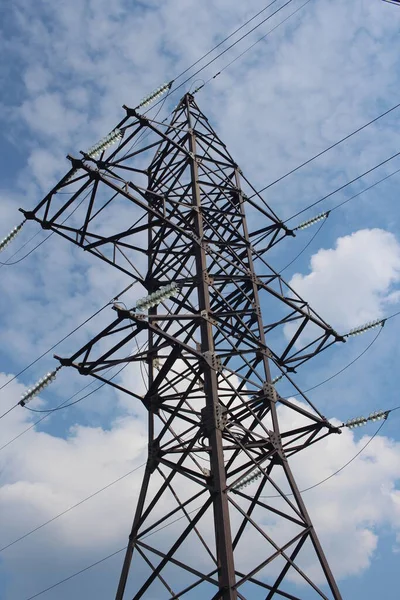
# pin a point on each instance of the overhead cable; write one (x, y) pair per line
(252, 46)
(67, 510)
(314, 387)
(342, 187)
(66, 336)
(95, 149)
(310, 241)
(311, 487)
(15, 262)
(327, 213)
(225, 39)
(231, 46)
(343, 139)
(144, 135)
(184, 516)
(179, 518)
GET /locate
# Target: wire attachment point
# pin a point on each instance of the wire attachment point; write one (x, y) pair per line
(363, 328)
(10, 237)
(157, 297)
(154, 95)
(312, 221)
(249, 479)
(112, 138)
(378, 415)
(39, 386)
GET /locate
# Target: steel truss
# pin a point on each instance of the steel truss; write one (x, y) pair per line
(170, 202)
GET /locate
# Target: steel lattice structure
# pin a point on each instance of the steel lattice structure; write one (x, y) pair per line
(215, 420)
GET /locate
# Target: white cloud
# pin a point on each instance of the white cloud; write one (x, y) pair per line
(45, 165)
(309, 83)
(353, 282)
(348, 510)
(36, 78)
(42, 474)
(48, 115)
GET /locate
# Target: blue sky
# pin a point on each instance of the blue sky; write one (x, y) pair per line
(65, 72)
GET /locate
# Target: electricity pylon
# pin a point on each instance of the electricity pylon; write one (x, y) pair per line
(170, 201)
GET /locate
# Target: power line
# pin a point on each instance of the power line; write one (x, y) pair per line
(252, 45)
(162, 101)
(231, 62)
(344, 368)
(15, 262)
(48, 412)
(303, 249)
(231, 46)
(225, 39)
(74, 505)
(364, 190)
(9, 410)
(330, 210)
(111, 555)
(66, 337)
(142, 136)
(7, 263)
(191, 77)
(172, 91)
(183, 516)
(396, 314)
(311, 487)
(346, 137)
(98, 562)
(54, 346)
(63, 405)
(143, 464)
(343, 186)
(4, 264)
(263, 189)
(218, 46)
(67, 510)
(392, 316)
(223, 69)
(42, 418)
(145, 135)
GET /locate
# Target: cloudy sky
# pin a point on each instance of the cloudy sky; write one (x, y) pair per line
(66, 69)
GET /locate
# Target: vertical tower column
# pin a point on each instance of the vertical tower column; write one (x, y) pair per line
(223, 536)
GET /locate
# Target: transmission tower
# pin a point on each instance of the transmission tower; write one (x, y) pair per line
(169, 202)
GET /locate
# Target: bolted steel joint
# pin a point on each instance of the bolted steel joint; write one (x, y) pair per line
(269, 391)
(155, 403)
(206, 316)
(153, 457)
(276, 442)
(214, 417)
(213, 360)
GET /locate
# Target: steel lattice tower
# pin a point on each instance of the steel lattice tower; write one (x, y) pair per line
(215, 420)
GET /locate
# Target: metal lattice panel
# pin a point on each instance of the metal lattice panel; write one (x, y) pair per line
(214, 417)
